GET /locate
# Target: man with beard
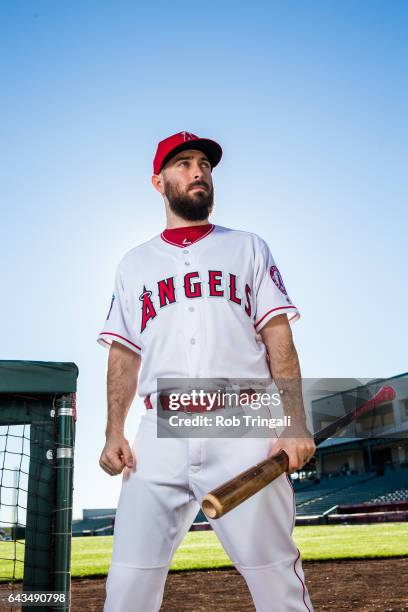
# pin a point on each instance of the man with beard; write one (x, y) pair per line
(198, 301)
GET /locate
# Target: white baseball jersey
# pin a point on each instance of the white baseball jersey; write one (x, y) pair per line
(196, 310)
(192, 302)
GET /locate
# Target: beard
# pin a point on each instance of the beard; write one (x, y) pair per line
(190, 205)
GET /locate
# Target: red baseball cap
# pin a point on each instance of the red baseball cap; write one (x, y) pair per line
(181, 141)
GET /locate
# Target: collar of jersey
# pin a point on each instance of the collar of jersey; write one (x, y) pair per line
(186, 236)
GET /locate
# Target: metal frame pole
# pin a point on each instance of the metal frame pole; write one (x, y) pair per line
(65, 412)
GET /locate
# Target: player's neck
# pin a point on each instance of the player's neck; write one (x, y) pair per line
(174, 221)
(184, 223)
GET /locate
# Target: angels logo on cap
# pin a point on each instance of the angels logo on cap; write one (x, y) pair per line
(188, 136)
(277, 279)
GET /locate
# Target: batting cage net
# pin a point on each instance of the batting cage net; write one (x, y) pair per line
(37, 430)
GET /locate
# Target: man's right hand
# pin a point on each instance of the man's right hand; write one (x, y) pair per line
(116, 455)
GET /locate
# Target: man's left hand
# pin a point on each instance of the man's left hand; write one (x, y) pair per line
(299, 450)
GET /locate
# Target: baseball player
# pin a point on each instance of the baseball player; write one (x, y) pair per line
(198, 301)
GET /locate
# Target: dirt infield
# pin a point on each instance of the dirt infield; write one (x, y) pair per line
(340, 586)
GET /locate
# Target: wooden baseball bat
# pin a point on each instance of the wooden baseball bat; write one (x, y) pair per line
(230, 494)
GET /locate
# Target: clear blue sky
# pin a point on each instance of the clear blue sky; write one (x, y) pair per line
(308, 100)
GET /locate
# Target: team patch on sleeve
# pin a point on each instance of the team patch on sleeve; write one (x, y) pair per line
(277, 279)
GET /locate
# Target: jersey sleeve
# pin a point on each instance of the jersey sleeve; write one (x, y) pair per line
(272, 299)
(118, 325)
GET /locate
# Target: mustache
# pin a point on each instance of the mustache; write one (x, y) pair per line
(199, 184)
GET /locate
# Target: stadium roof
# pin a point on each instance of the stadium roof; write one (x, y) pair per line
(363, 386)
(338, 441)
(38, 377)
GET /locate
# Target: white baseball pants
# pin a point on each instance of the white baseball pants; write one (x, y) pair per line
(158, 502)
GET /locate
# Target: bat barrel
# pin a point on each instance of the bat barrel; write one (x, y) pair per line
(233, 492)
(211, 506)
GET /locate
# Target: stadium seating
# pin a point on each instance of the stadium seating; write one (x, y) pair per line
(395, 496)
(354, 489)
(93, 526)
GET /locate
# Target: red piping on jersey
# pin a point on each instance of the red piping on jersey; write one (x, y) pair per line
(118, 336)
(186, 232)
(298, 556)
(301, 581)
(273, 309)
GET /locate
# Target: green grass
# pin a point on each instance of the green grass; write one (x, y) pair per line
(316, 543)
(91, 555)
(321, 542)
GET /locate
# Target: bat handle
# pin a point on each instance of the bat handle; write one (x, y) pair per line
(279, 463)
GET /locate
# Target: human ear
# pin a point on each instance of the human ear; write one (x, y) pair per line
(157, 182)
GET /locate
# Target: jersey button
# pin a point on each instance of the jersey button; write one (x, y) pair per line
(192, 341)
(191, 308)
(185, 252)
(186, 263)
